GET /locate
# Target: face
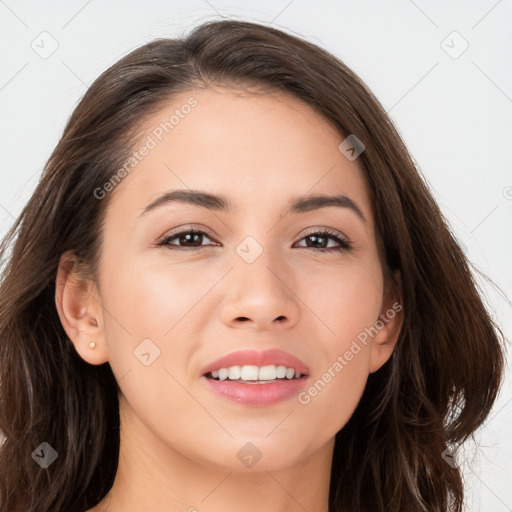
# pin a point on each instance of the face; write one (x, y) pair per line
(259, 275)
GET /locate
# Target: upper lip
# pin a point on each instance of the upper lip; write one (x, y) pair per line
(257, 358)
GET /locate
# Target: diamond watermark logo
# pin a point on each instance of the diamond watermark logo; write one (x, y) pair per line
(249, 455)
(249, 249)
(45, 45)
(454, 45)
(44, 455)
(351, 147)
(146, 352)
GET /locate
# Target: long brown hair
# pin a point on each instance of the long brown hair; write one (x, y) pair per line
(433, 393)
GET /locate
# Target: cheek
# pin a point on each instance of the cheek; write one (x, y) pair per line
(348, 304)
(150, 299)
(152, 307)
(155, 311)
(345, 299)
(333, 395)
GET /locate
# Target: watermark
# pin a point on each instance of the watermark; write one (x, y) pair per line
(454, 45)
(449, 457)
(351, 147)
(151, 142)
(249, 249)
(45, 455)
(45, 45)
(304, 397)
(147, 352)
(249, 454)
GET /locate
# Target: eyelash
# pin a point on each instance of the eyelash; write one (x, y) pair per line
(345, 244)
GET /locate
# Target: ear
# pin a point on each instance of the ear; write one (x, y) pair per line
(388, 325)
(80, 311)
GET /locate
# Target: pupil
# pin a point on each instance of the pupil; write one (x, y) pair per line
(188, 236)
(315, 238)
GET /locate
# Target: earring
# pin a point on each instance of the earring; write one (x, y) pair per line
(92, 345)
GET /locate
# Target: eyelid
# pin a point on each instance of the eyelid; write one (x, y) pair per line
(184, 229)
(330, 231)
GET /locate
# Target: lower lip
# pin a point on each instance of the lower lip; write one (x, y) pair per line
(256, 394)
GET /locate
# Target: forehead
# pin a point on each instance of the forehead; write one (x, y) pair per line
(257, 149)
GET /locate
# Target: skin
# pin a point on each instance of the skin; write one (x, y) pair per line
(179, 441)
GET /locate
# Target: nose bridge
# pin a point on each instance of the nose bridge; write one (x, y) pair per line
(258, 287)
(260, 267)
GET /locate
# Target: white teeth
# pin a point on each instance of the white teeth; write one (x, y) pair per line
(255, 373)
(280, 371)
(249, 373)
(290, 373)
(234, 372)
(267, 372)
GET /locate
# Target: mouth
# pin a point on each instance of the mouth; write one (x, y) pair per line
(255, 378)
(256, 386)
(254, 365)
(252, 374)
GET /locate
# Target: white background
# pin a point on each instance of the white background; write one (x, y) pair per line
(455, 115)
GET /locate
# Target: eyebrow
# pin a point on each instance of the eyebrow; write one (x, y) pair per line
(222, 203)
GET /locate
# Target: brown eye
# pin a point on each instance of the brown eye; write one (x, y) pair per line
(191, 238)
(322, 238)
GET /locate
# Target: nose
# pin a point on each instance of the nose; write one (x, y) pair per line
(259, 295)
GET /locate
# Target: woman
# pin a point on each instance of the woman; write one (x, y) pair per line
(232, 287)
